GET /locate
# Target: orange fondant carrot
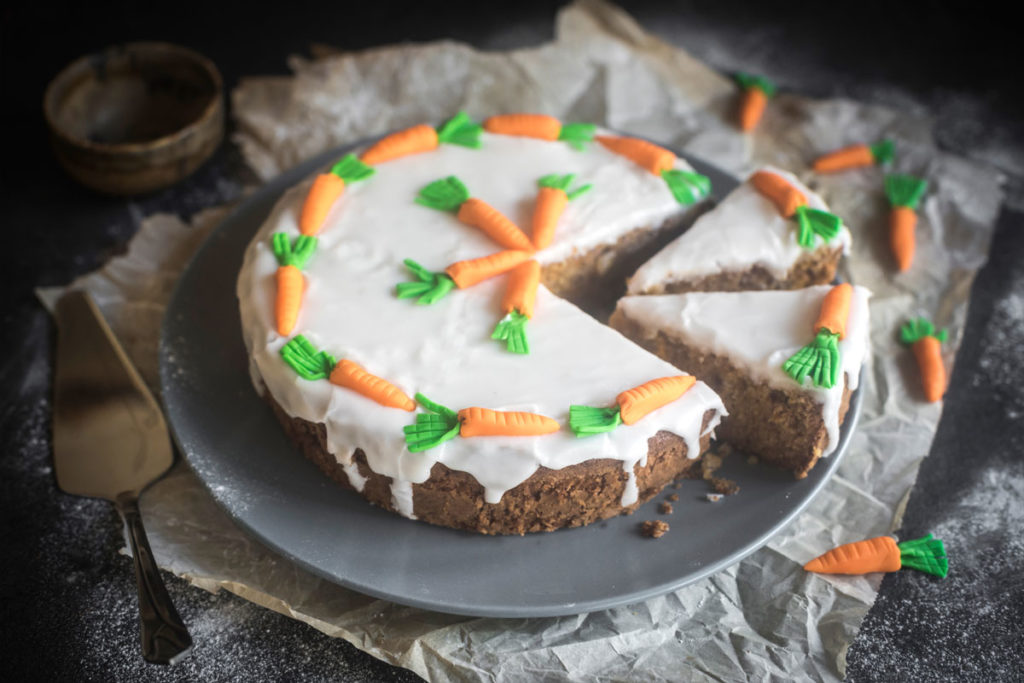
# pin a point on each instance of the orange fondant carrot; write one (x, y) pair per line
(289, 280)
(552, 198)
(442, 423)
(525, 125)
(486, 422)
(521, 291)
(290, 286)
(756, 91)
(786, 198)
(450, 194)
(923, 338)
(470, 272)
(421, 138)
(325, 191)
(902, 240)
(646, 154)
(835, 309)
(352, 376)
(855, 156)
(904, 194)
(479, 214)
(636, 403)
(883, 554)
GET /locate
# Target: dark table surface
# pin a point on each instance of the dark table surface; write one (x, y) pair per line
(68, 598)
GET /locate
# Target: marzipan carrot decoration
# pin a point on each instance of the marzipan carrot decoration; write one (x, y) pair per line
(459, 130)
(311, 364)
(790, 203)
(430, 287)
(686, 186)
(441, 424)
(326, 189)
(541, 126)
(291, 284)
(552, 198)
(352, 376)
(904, 192)
(820, 358)
(922, 337)
(856, 156)
(450, 194)
(883, 554)
(520, 294)
(756, 92)
(631, 405)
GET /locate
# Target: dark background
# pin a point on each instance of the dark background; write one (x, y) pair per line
(67, 598)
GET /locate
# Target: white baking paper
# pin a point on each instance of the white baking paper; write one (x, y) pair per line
(764, 617)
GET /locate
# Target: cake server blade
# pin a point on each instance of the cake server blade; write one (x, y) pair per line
(110, 441)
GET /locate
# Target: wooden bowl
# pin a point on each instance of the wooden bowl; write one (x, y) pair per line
(136, 117)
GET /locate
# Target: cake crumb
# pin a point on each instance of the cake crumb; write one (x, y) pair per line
(672, 496)
(677, 485)
(653, 528)
(709, 464)
(665, 508)
(753, 460)
(714, 497)
(726, 487)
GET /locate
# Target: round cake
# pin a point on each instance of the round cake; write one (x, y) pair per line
(394, 320)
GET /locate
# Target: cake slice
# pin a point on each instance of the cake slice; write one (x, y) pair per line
(748, 242)
(738, 343)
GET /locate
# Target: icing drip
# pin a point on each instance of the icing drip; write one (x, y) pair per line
(630, 493)
(401, 497)
(743, 230)
(445, 350)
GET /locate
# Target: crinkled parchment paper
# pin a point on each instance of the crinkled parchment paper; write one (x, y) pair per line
(762, 617)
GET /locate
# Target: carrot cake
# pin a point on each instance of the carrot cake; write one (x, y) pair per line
(784, 362)
(771, 232)
(407, 316)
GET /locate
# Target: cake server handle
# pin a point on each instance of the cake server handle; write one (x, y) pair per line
(164, 637)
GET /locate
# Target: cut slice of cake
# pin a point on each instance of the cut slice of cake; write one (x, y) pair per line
(739, 344)
(755, 238)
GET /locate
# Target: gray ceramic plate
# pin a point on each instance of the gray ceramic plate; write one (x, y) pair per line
(232, 441)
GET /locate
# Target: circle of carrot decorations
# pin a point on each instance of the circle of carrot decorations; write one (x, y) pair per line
(450, 194)
(631, 405)
(791, 202)
(441, 424)
(459, 130)
(517, 304)
(552, 198)
(291, 284)
(820, 358)
(311, 364)
(923, 338)
(686, 186)
(856, 156)
(326, 189)
(542, 127)
(883, 554)
(904, 193)
(756, 92)
(430, 287)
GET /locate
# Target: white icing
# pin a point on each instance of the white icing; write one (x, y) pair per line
(744, 230)
(759, 331)
(445, 350)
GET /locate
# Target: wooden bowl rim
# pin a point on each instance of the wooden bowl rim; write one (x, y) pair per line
(210, 112)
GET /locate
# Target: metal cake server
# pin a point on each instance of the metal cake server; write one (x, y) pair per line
(110, 441)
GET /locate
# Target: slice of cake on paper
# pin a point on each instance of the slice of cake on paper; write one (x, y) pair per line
(771, 232)
(750, 346)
